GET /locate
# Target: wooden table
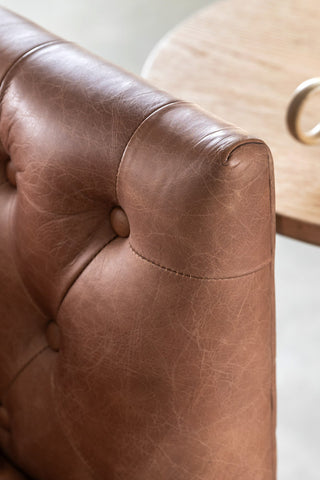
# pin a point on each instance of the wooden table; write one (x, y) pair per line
(242, 61)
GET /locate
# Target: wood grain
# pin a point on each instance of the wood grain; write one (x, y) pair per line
(242, 61)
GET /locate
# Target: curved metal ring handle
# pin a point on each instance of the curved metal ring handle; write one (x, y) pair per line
(300, 95)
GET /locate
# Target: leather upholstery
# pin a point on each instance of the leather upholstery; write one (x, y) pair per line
(136, 276)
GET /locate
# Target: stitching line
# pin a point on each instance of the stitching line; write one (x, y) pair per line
(23, 368)
(21, 58)
(196, 277)
(81, 272)
(174, 102)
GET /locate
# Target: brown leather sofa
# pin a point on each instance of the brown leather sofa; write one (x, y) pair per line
(136, 277)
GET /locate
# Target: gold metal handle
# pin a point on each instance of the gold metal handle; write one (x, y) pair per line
(300, 95)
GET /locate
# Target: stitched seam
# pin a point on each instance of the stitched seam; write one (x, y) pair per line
(21, 58)
(23, 368)
(81, 271)
(196, 277)
(162, 107)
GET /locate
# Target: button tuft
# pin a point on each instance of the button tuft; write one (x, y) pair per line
(53, 336)
(11, 173)
(119, 222)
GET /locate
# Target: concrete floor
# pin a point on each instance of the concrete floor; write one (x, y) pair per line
(124, 32)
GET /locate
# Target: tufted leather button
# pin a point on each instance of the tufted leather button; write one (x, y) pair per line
(4, 418)
(53, 336)
(119, 222)
(11, 173)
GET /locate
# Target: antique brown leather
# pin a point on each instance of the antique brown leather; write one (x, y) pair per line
(136, 276)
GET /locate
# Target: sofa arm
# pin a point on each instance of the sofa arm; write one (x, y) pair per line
(199, 194)
(178, 317)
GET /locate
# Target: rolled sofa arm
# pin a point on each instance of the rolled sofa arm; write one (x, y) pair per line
(136, 276)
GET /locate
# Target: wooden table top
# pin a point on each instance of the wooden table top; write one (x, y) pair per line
(242, 61)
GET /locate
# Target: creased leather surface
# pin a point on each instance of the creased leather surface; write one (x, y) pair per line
(165, 368)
